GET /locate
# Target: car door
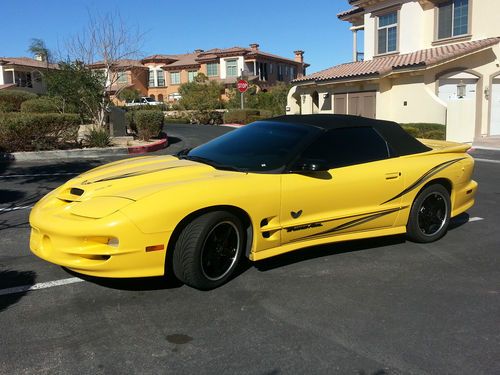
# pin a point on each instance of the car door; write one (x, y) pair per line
(355, 192)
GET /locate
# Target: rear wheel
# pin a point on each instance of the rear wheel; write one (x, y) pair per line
(430, 214)
(208, 250)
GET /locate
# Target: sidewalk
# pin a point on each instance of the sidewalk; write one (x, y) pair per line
(121, 149)
(487, 143)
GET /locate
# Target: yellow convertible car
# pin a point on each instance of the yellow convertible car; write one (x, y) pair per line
(265, 189)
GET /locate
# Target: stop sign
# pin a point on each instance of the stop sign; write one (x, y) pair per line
(242, 85)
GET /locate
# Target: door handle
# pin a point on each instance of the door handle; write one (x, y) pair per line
(392, 175)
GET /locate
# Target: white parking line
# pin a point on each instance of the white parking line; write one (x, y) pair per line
(48, 284)
(8, 209)
(476, 218)
(487, 160)
(39, 175)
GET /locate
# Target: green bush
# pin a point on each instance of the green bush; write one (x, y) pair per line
(245, 116)
(11, 100)
(205, 117)
(40, 105)
(426, 130)
(174, 120)
(38, 131)
(148, 123)
(97, 137)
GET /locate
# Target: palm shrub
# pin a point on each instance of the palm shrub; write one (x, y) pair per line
(97, 137)
(148, 123)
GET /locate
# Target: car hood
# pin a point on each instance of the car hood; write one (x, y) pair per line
(135, 178)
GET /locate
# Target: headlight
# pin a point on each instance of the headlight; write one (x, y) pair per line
(99, 207)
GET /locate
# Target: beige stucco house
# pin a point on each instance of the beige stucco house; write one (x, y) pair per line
(424, 61)
(23, 73)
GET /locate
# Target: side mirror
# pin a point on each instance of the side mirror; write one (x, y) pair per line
(309, 165)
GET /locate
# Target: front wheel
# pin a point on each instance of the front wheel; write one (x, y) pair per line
(430, 214)
(208, 250)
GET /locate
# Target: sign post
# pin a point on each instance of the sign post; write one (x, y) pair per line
(242, 86)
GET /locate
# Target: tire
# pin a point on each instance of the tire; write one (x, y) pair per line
(208, 250)
(429, 215)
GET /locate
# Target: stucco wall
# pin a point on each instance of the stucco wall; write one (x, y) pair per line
(409, 99)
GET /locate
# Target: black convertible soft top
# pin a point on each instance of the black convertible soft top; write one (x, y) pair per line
(399, 140)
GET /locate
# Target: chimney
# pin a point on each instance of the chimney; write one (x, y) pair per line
(299, 56)
(254, 47)
(198, 51)
(39, 57)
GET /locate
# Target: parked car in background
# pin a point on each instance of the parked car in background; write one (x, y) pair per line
(144, 100)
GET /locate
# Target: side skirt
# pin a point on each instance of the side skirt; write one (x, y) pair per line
(325, 240)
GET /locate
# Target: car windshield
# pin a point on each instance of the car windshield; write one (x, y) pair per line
(260, 147)
(149, 99)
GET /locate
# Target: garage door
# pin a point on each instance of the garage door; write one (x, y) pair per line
(356, 103)
(495, 107)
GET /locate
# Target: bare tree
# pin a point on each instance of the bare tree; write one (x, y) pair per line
(106, 43)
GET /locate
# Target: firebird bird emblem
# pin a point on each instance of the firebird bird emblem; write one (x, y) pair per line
(295, 215)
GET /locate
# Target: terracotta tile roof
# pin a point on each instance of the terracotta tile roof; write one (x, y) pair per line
(350, 12)
(186, 59)
(123, 64)
(381, 66)
(26, 61)
(214, 53)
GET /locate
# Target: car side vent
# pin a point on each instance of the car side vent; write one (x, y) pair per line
(76, 191)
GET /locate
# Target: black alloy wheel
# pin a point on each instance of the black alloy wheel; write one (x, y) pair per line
(430, 214)
(208, 250)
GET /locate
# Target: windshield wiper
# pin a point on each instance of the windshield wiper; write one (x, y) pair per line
(182, 154)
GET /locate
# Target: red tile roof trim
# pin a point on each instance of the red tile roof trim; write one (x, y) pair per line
(381, 66)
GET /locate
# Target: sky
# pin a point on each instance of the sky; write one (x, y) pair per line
(171, 27)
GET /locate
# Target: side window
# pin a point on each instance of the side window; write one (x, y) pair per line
(348, 146)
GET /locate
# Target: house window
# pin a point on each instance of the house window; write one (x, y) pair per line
(212, 69)
(152, 78)
(232, 68)
(280, 72)
(121, 77)
(387, 32)
(175, 78)
(453, 18)
(293, 72)
(191, 75)
(161, 78)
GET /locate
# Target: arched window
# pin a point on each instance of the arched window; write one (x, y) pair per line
(152, 96)
(160, 97)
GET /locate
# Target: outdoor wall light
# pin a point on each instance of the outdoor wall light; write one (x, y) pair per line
(461, 90)
(303, 98)
(486, 93)
(326, 95)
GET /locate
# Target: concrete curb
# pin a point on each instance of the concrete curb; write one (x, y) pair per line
(84, 152)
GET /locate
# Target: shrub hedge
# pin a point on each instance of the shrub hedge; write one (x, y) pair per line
(205, 117)
(37, 131)
(245, 116)
(11, 100)
(426, 130)
(40, 105)
(148, 123)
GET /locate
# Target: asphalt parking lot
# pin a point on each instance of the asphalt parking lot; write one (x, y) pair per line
(379, 306)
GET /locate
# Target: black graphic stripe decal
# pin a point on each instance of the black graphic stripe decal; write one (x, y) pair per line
(353, 223)
(438, 168)
(130, 174)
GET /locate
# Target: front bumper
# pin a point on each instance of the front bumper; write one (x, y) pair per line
(108, 247)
